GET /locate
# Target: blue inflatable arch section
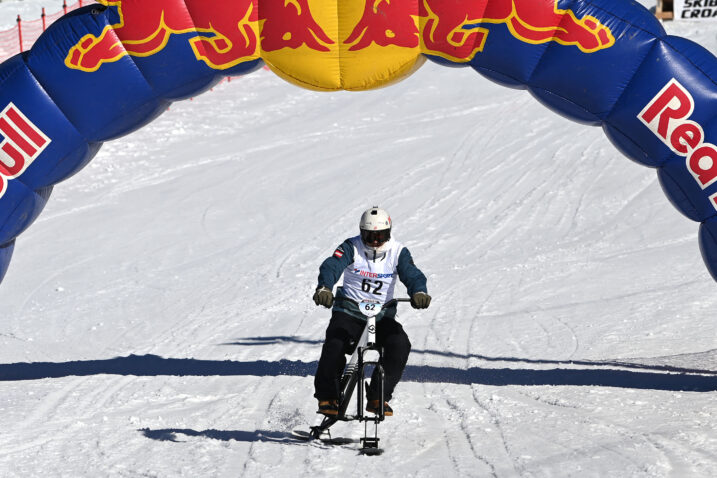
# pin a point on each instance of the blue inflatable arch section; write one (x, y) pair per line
(654, 95)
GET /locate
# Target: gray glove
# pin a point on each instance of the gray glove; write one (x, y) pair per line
(420, 300)
(323, 296)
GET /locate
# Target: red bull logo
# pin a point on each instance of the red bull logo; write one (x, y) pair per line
(290, 24)
(384, 23)
(299, 38)
(450, 27)
(21, 142)
(667, 115)
(221, 33)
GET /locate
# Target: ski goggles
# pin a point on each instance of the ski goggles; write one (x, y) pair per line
(372, 237)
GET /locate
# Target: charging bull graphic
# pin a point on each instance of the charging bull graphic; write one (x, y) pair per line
(290, 24)
(609, 63)
(384, 23)
(450, 27)
(221, 33)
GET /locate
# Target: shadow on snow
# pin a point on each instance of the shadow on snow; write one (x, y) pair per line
(597, 376)
(171, 434)
(706, 356)
(179, 435)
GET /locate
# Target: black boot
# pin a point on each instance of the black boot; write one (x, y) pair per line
(374, 406)
(328, 407)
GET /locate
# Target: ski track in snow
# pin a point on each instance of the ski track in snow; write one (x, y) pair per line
(166, 281)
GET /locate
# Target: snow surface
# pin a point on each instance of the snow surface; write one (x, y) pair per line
(157, 319)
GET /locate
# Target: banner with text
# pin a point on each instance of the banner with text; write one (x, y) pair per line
(695, 9)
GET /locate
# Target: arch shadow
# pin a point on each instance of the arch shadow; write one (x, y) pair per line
(282, 339)
(153, 365)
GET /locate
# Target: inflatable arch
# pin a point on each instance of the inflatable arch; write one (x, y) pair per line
(105, 70)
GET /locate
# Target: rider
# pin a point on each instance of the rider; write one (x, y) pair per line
(370, 263)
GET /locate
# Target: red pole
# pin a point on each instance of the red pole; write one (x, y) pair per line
(64, 6)
(43, 19)
(80, 3)
(19, 31)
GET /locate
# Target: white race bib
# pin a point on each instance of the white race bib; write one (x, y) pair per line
(368, 280)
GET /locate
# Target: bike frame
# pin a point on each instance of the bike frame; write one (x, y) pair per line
(366, 354)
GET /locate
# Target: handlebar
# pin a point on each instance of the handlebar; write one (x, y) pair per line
(393, 302)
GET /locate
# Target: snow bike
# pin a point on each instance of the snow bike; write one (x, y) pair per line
(367, 355)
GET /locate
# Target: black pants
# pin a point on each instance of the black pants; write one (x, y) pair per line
(342, 335)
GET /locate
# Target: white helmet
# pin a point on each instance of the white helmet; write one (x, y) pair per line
(375, 228)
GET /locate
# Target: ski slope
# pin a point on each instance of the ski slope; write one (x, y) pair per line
(156, 320)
